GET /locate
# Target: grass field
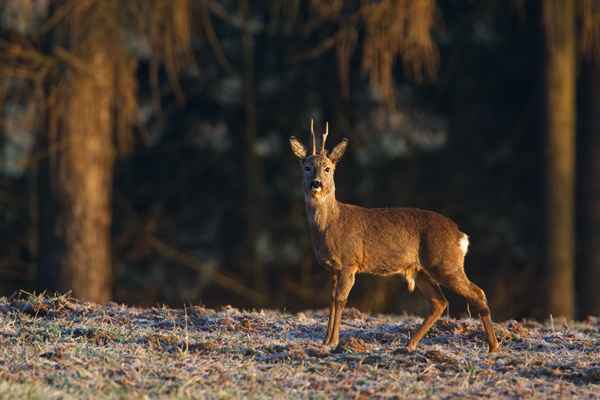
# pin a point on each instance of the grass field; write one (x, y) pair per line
(57, 348)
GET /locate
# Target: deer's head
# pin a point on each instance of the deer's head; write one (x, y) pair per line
(319, 166)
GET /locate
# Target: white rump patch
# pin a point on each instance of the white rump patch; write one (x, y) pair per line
(464, 243)
(411, 283)
(410, 273)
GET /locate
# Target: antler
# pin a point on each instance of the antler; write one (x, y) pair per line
(313, 138)
(325, 137)
(312, 131)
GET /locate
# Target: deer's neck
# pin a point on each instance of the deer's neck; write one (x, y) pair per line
(322, 212)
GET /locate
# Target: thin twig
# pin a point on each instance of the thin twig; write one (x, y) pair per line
(220, 279)
(212, 38)
(315, 52)
(217, 277)
(238, 22)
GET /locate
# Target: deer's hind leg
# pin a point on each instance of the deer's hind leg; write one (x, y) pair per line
(461, 285)
(437, 302)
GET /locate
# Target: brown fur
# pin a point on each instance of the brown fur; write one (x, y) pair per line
(423, 246)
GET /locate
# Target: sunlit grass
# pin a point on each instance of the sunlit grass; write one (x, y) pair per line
(55, 348)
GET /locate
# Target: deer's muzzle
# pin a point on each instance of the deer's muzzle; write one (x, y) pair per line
(316, 186)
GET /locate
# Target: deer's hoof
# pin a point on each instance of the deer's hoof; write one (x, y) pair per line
(411, 346)
(494, 349)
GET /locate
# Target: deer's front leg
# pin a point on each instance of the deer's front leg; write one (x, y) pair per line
(345, 283)
(334, 282)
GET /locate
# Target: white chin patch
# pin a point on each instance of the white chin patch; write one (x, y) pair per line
(316, 189)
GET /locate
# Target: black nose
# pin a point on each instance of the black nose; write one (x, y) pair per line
(316, 184)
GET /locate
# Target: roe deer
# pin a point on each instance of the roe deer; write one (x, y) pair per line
(424, 247)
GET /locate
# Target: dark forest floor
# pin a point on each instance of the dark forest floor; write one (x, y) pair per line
(56, 347)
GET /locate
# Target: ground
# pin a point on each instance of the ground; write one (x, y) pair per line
(58, 348)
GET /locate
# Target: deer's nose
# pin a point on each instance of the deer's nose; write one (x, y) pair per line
(316, 184)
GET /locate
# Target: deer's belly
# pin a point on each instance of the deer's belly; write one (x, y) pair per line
(388, 264)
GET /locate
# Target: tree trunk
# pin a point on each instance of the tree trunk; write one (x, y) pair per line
(560, 155)
(79, 221)
(589, 262)
(88, 184)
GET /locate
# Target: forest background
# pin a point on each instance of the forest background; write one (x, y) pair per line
(145, 156)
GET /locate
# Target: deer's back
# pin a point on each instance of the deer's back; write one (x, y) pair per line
(389, 240)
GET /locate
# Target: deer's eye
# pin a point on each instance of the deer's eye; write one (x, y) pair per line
(307, 169)
(327, 169)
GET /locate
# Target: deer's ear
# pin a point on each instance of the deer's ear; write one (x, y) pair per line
(298, 148)
(338, 151)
